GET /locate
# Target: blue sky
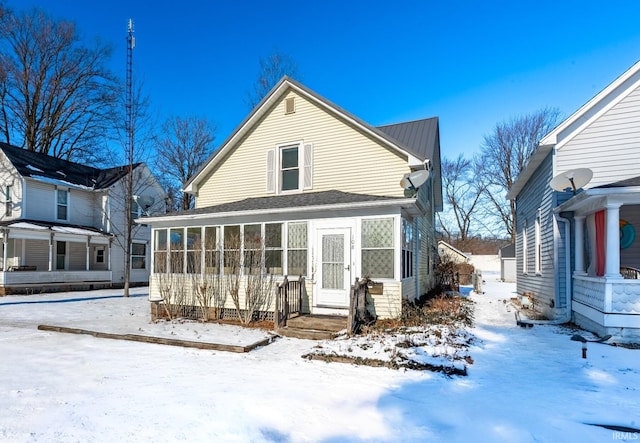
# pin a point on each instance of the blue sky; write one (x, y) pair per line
(473, 64)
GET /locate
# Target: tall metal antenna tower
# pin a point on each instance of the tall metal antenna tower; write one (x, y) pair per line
(129, 128)
(131, 43)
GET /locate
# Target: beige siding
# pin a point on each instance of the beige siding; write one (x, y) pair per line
(343, 158)
(389, 304)
(77, 253)
(610, 145)
(38, 254)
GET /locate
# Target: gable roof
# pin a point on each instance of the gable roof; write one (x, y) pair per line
(44, 167)
(458, 252)
(423, 136)
(576, 122)
(415, 153)
(420, 136)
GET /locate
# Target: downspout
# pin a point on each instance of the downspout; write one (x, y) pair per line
(569, 292)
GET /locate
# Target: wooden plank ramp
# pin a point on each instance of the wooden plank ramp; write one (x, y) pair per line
(159, 340)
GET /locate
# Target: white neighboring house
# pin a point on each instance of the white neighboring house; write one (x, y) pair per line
(576, 250)
(62, 223)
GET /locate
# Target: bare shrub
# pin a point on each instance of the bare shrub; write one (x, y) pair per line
(172, 287)
(259, 286)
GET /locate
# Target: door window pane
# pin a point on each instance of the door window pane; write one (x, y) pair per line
(333, 261)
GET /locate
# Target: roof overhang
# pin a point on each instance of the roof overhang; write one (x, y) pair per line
(410, 206)
(530, 167)
(591, 200)
(44, 231)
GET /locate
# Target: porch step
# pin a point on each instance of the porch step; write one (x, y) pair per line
(331, 323)
(314, 327)
(309, 334)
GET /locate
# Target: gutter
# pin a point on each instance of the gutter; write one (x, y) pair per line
(407, 202)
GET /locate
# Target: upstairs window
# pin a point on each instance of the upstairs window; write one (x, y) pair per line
(290, 168)
(8, 200)
(62, 204)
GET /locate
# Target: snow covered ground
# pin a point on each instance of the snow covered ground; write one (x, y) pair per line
(525, 385)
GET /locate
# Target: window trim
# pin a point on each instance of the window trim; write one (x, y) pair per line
(280, 170)
(538, 245)
(8, 200)
(525, 250)
(394, 246)
(144, 257)
(66, 204)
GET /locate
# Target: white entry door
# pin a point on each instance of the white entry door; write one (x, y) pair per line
(334, 246)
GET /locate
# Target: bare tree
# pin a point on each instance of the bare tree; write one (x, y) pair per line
(57, 96)
(462, 193)
(184, 146)
(272, 69)
(504, 155)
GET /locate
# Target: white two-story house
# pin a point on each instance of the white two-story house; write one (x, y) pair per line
(62, 223)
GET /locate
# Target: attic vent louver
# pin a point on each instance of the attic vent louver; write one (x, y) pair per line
(290, 105)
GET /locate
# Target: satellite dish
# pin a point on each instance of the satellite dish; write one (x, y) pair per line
(415, 179)
(571, 180)
(144, 202)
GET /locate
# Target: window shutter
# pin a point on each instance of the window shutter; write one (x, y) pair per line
(308, 166)
(271, 171)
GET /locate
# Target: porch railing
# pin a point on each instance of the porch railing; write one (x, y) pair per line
(608, 295)
(26, 278)
(449, 281)
(630, 273)
(288, 301)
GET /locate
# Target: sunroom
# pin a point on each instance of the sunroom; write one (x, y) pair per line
(325, 239)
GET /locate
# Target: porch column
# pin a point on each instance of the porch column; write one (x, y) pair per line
(109, 259)
(51, 243)
(87, 261)
(612, 264)
(5, 243)
(578, 236)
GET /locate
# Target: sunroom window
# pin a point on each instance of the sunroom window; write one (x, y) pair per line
(273, 248)
(160, 251)
(377, 248)
(297, 248)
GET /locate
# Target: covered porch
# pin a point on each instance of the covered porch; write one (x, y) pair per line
(36, 256)
(605, 289)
